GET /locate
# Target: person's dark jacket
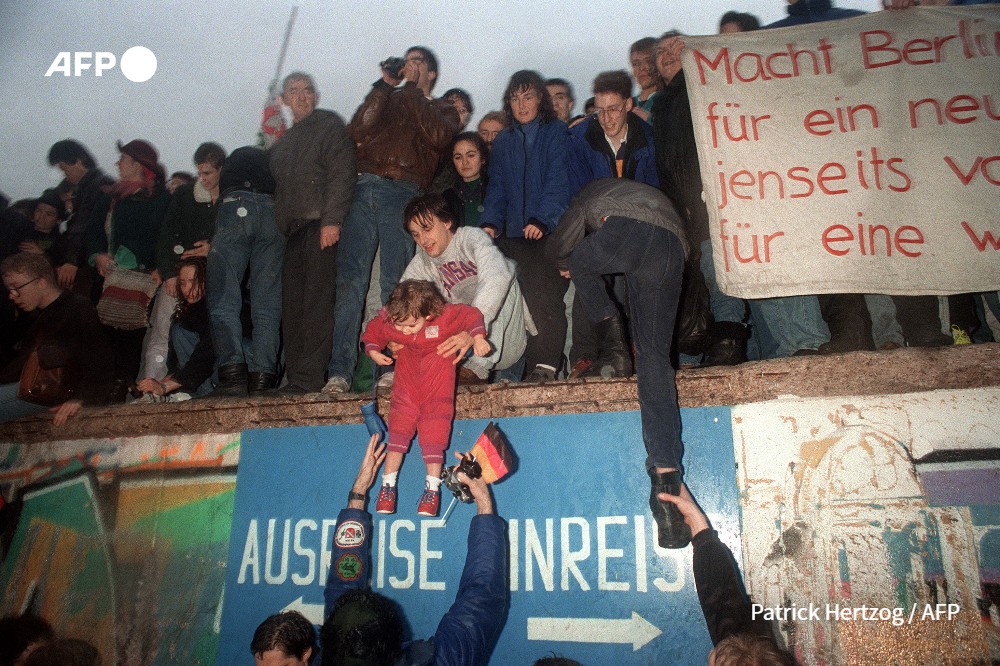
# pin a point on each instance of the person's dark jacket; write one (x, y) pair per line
(88, 193)
(465, 200)
(247, 169)
(802, 12)
(401, 134)
(135, 224)
(529, 178)
(723, 600)
(68, 334)
(677, 157)
(313, 164)
(190, 218)
(612, 197)
(469, 630)
(590, 155)
(199, 367)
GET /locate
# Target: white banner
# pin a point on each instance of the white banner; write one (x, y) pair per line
(860, 155)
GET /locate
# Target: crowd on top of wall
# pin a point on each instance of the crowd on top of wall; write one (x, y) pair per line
(254, 275)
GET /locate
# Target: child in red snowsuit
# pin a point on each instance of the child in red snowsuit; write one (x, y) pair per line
(423, 391)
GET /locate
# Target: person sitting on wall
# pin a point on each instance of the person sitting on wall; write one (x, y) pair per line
(365, 627)
(191, 357)
(66, 343)
(285, 639)
(468, 268)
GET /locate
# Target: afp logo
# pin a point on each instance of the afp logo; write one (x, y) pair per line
(137, 64)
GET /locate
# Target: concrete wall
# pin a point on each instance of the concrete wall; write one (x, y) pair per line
(884, 502)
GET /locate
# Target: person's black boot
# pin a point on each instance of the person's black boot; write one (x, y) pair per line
(727, 344)
(672, 531)
(232, 381)
(614, 359)
(259, 382)
(849, 321)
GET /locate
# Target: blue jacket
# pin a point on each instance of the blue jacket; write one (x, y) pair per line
(590, 155)
(529, 178)
(469, 630)
(813, 11)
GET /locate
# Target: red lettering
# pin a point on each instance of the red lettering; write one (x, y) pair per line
(836, 237)
(981, 243)
(822, 118)
(822, 178)
(916, 239)
(979, 166)
(965, 178)
(867, 49)
(961, 104)
(829, 239)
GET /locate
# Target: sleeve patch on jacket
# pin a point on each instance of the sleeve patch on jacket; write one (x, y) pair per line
(350, 534)
(349, 567)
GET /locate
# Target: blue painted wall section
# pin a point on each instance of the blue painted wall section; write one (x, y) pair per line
(587, 579)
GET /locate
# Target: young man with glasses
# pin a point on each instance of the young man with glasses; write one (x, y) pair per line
(612, 143)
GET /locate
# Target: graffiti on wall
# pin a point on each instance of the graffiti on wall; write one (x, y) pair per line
(863, 535)
(123, 543)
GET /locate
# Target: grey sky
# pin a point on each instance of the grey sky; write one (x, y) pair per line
(215, 60)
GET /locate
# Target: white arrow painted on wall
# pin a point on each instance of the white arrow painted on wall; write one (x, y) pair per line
(637, 630)
(313, 612)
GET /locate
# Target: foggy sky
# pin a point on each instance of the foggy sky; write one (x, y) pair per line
(216, 59)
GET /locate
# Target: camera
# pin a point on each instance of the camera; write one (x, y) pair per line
(394, 66)
(449, 477)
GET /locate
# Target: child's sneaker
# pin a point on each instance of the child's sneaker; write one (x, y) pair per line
(430, 502)
(386, 502)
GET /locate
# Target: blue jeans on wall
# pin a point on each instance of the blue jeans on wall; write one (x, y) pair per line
(246, 235)
(652, 260)
(787, 324)
(724, 307)
(184, 342)
(375, 222)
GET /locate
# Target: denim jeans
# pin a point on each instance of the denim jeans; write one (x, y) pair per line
(375, 222)
(724, 307)
(652, 260)
(787, 324)
(246, 236)
(12, 408)
(184, 342)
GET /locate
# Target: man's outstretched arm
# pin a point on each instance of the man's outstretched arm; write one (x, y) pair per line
(351, 558)
(471, 627)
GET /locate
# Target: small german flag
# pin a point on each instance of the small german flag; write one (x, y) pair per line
(493, 454)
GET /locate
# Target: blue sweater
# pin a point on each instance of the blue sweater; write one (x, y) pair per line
(529, 178)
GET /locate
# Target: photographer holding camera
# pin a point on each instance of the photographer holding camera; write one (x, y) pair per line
(401, 134)
(365, 627)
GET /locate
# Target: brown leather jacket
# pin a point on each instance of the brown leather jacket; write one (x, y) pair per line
(401, 134)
